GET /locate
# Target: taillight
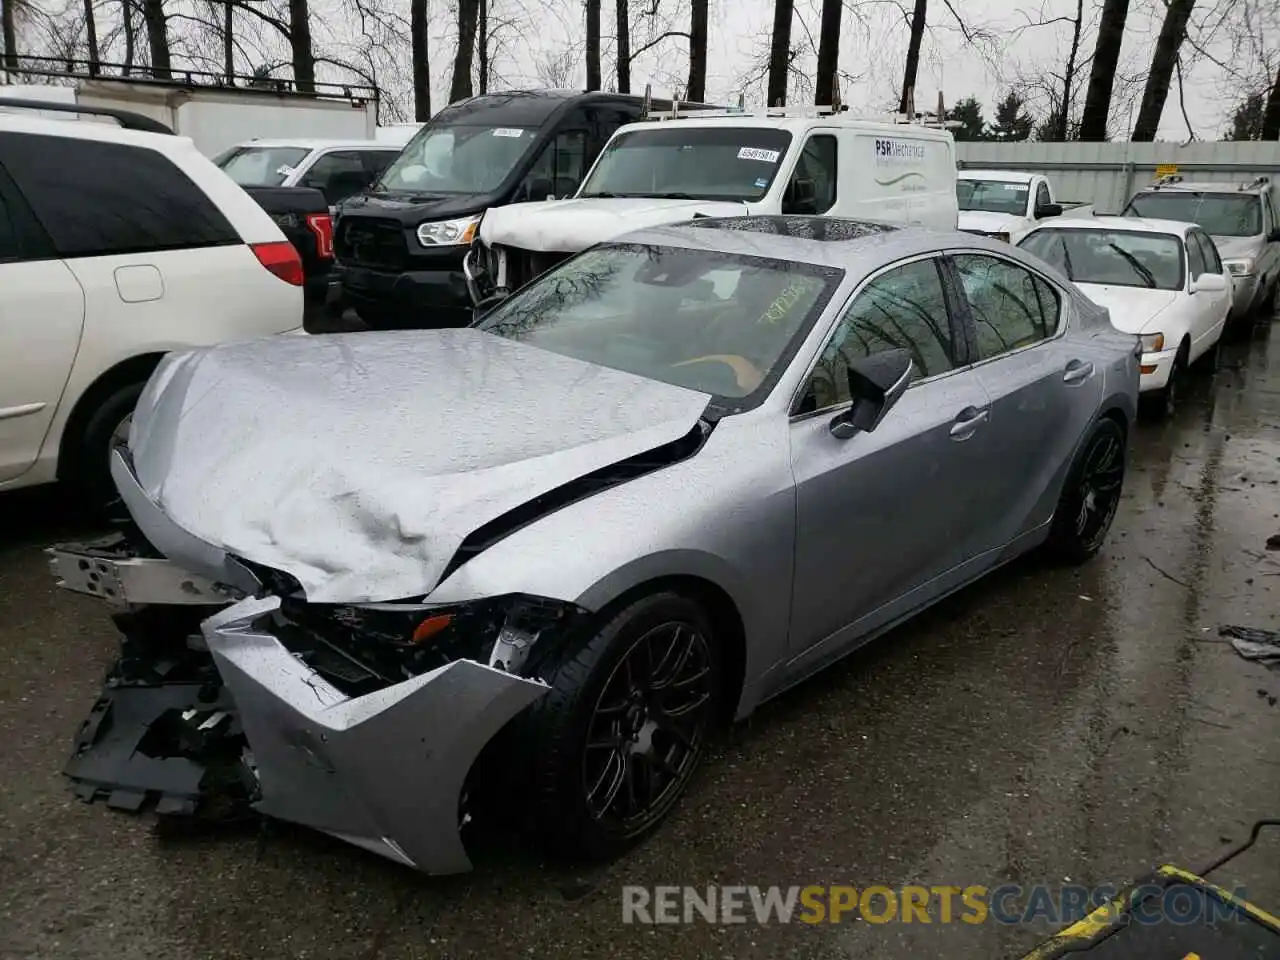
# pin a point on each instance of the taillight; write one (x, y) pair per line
(321, 225)
(280, 258)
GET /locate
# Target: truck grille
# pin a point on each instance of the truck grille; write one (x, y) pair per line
(525, 265)
(378, 244)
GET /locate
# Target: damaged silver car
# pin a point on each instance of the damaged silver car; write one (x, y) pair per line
(374, 576)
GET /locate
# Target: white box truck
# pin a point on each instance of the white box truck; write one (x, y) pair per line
(215, 115)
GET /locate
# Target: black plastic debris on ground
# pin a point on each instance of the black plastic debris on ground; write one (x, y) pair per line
(1252, 643)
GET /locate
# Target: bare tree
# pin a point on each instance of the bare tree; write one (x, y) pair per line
(157, 21)
(468, 15)
(828, 51)
(482, 44)
(1271, 113)
(421, 57)
(918, 18)
(622, 14)
(696, 89)
(1106, 58)
(555, 68)
(9, 32)
(593, 44)
(1069, 74)
(126, 23)
(1164, 59)
(91, 37)
(780, 54)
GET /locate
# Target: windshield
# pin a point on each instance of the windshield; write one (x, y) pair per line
(457, 159)
(1220, 214)
(1118, 257)
(719, 323)
(992, 196)
(261, 166)
(701, 163)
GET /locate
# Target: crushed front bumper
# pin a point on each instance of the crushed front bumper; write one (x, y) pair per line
(384, 771)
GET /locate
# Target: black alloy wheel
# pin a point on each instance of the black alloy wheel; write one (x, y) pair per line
(1091, 495)
(648, 728)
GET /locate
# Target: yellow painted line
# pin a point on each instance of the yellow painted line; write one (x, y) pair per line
(1257, 913)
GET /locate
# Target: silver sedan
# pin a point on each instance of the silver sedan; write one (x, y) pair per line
(539, 559)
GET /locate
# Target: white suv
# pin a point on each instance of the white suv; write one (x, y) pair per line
(117, 245)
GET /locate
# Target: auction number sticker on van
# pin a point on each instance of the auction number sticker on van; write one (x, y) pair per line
(508, 132)
(755, 153)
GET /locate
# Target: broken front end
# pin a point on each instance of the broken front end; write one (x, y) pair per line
(234, 695)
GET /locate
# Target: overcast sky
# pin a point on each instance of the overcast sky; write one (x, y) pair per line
(534, 36)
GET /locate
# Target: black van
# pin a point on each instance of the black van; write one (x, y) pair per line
(399, 247)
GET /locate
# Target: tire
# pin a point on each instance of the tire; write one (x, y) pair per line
(1162, 404)
(88, 473)
(591, 738)
(1090, 496)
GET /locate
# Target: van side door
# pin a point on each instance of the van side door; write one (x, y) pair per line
(814, 184)
(41, 319)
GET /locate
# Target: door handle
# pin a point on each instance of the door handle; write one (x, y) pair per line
(967, 422)
(1077, 371)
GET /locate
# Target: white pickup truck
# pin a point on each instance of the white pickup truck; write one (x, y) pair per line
(1005, 204)
(724, 164)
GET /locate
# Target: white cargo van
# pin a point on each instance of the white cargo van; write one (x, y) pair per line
(725, 163)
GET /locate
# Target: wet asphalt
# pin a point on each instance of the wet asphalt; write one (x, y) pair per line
(1044, 726)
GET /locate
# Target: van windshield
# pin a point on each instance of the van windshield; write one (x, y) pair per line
(1220, 214)
(260, 166)
(992, 196)
(698, 163)
(458, 159)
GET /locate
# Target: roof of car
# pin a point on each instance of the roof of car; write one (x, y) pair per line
(1131, 224)
(522, 108)
(1000, 176)
(692, 120)
(1206, 186)
(826, 241)
(311, 143)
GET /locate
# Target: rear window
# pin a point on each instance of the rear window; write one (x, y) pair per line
(95, 198)
(261, 166)
(702, 163)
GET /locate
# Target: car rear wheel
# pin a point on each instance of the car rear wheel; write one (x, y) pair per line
(1091, 494)
(617, 739)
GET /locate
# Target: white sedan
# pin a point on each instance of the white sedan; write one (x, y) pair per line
(1160, 279)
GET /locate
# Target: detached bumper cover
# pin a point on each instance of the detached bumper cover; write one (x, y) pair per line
(384, 771)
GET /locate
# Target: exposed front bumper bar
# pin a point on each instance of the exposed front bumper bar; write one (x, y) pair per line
(384, 771)
(103, 569)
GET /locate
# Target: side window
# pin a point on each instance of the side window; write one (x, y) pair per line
(902, 308)
(560, 167)
(1210, 250)
(337, 175)
(1196, 263)
(1268, 211)
(138, 199)
(813, 185)
(376, 161)
(1010, 305)
(10, 249)
(1042, 194)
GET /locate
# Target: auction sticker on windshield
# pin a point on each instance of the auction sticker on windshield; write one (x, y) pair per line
(508, 132)
(756, 153)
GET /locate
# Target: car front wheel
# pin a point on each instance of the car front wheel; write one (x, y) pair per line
(1091, 494)
(618, 737)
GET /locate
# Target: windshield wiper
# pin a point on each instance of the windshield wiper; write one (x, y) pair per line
(603, 195)
(1138, 267)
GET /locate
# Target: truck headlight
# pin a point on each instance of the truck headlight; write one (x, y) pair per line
(1239, 268)
(1152, 342)
(448, 233)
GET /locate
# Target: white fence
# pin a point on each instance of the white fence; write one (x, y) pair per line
(1107, 174)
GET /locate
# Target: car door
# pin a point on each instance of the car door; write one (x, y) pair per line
(41, 318)
(883, 516)
(1044, 387)
(1269, 264)
(1221, 302)
(1201, 307)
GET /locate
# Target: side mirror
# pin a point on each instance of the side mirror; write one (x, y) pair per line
(801, 197)
(1209, 283)
(1274, 236)
(876, 383)
(1048, 210)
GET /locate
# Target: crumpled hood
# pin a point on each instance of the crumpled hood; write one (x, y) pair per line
(983, 222)
(1131, 308)
(1235, 248)
(567, 226)
(358, 463)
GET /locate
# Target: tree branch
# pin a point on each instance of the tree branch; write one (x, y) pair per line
(657, 40)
